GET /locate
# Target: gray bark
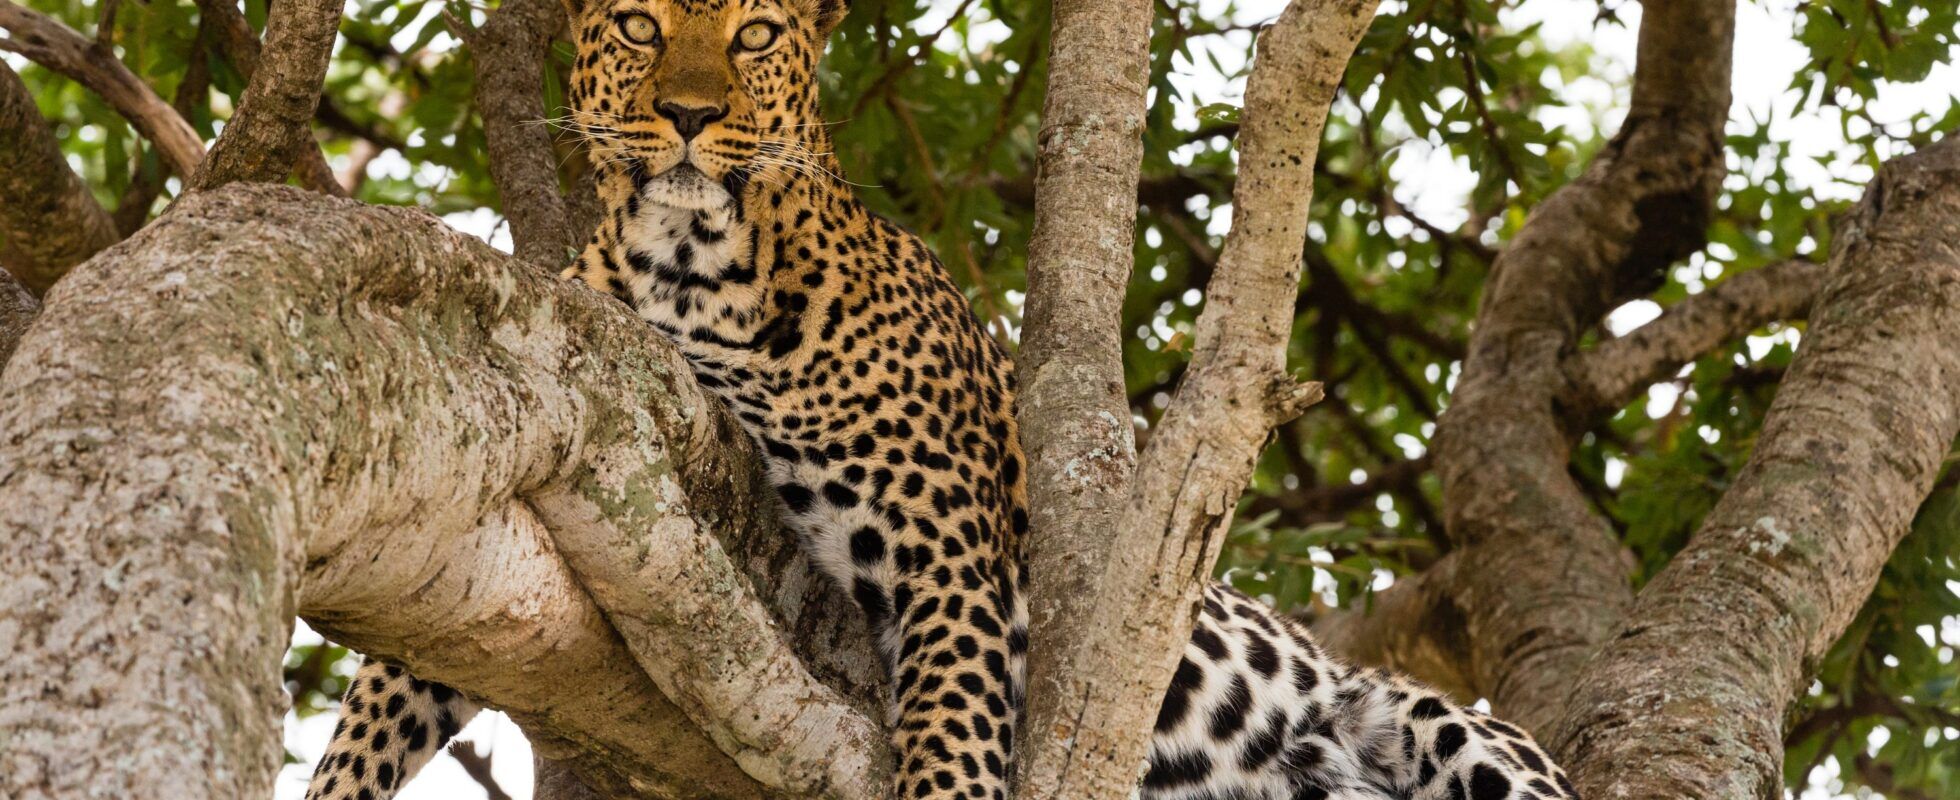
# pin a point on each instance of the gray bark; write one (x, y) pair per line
(270, 403)
(1073, 412)
(1093, 730)
(1689, 697)
(509, 55)
(234, 37)
(48, 219)
(1539, 575)
(270, 132)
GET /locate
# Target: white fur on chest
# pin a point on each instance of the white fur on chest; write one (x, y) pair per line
(692, 274)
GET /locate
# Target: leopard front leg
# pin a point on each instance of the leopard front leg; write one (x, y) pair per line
(924, 567)
(391, 724)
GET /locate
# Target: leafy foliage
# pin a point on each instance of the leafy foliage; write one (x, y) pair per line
(936, 105)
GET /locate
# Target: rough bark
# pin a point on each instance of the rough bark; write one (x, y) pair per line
(48, 219)
(268, 134)
(270, 403)
(1092, 734)
(234, 37)
(1540, 577)
(1689, 697)
(17, 308)
(1610, 376)
(1073, 414)
(53, 45)
(509, 52)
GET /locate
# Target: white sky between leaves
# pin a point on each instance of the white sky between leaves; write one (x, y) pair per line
(1427, 179)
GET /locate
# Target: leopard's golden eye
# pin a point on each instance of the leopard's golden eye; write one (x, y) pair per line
(639, 28)
(756, 36)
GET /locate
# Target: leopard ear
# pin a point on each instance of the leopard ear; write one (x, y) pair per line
(828, 14)
(572, 10)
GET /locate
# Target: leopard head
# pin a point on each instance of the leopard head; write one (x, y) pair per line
(697, 99)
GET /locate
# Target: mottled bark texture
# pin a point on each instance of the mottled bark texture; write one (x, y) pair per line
(508, 54)
(1073, 413)
(17, 308)
(270, 403)
(48, 219)
(234, 37)
(53, 45)
(1539, 575)
(1689, 697)
(1125, 635)
(270, 130)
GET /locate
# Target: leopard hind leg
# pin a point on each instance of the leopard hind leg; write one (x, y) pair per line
(391, 724)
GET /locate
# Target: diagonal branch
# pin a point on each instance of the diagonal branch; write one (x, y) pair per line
(241, 47)
(1610, 375)
(268, 135)
(55, 46)
(48, 219)
(1689, 698)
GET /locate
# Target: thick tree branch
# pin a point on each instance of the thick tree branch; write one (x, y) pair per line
(1611, 375)
(1073, 412)
(509, 56)
(269, 133)
(53, 45)
(48, 220)
(271, 403)
(1202, 451)
(241, 47)
(1689, 698)
(1541, 578)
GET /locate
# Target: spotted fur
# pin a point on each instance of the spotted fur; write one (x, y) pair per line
(886, 415)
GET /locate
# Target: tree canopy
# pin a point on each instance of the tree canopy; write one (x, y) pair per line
(936, 107)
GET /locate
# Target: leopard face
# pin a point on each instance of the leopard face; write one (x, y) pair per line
(697, 99)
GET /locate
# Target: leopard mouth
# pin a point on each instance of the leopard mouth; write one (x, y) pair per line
(686, 186)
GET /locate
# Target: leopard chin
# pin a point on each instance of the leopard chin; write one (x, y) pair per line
(686, 186)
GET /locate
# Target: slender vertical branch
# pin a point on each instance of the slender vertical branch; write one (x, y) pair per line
(1073, 412)
(509, 54)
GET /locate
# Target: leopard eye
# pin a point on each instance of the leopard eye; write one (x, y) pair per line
(756, 36)
(639, 28)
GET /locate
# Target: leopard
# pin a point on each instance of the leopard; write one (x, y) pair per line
(884, 412)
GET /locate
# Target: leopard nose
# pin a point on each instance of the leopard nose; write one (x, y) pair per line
(690, 120)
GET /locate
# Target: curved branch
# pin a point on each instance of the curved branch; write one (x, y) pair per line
(1095, 729)
(366, 418)
(53, 45)
(1541, 577)
(264, 139)
(48, 219)
(1611, 375)
(1689, 699)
